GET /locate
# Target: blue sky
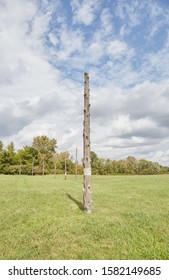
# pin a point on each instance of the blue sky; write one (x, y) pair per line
(46, 46)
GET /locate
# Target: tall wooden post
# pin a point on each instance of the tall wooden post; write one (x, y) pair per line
(87, 191)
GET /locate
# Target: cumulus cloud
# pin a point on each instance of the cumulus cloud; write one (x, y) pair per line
(131, 120)
(117, 48)
(46, 47)
(84, 11)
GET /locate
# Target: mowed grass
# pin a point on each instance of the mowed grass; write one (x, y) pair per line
(43, 218)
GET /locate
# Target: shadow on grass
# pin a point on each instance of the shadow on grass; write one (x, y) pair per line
(78, 203)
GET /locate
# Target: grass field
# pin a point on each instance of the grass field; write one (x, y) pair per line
(42, 218)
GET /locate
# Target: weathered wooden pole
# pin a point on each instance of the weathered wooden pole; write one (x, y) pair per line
(87, 191)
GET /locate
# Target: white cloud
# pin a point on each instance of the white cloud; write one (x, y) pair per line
(44, 50)
(116, 48)
(130, 11)
(106, 22)
(133, 121)
(53, 39)
(162, 157)
(124, 30)
(95, 52)
(154, 63)
(70, 41)
(84, 11)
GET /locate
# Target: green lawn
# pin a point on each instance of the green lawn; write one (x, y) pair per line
(43, 218)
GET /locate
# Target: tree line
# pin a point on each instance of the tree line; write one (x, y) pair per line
(128, 166)
(38, 159)
(41, 158)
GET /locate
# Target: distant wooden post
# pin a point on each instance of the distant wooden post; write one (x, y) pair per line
(65, 169)
(87, 191)
(76, 165)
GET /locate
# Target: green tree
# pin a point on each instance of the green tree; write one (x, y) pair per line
(27, 157)
(70, 166)
(11, 148)
(5, 161)
(109, 166)
(12, 153)
(45, 148)
(27, 154)
(101, 166)
(132, 165)
(94, 162)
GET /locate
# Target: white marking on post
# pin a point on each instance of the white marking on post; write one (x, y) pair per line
(87, 171)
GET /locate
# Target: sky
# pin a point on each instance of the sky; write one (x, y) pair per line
(45, 48)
